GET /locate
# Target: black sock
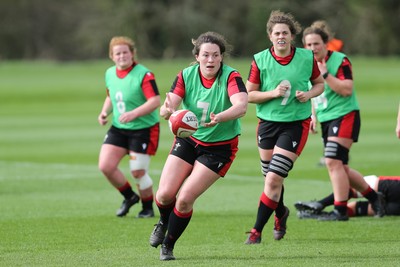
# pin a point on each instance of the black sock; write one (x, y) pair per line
(280, 210)
(176, 226)
(127, 192)
(327, 201)
(341, 207)
(370, 194)
(263, 215)
(264, 212)
(165, 212)
(147, 203)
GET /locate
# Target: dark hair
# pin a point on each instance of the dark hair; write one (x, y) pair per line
(213, 38)
(321, 28)
(278, 17)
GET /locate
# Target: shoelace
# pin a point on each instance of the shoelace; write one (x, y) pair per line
(278, 226)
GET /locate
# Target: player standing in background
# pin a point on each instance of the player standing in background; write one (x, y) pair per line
(278, 84)
(338, 111)
(389, 186)
(333, 45)
(133, 99)
(216, 93)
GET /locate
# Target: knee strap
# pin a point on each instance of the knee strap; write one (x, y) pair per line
(280, 165)
(264, 167)
(334, 150)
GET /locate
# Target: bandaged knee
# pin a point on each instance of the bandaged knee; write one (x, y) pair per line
(144, 182)
(137, 162)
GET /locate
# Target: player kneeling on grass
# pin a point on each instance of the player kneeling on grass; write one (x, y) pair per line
(215, 93)
(133, 99)
(388, 186)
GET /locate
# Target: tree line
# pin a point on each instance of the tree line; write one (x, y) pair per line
(81, 29)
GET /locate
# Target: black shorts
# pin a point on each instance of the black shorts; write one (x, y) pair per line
(143, 141)
(391, 190)
(217, 158)
(347, 126)
(291, 136)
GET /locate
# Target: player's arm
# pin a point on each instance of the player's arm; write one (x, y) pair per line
(342, 84)
(239, 106)
(150, 91)
(317, 81)
(238, 98)
(149, 106)
(314, 120)
(317, 85)
(174, 98)
(105, 110)
(171, 104)
(253, 87)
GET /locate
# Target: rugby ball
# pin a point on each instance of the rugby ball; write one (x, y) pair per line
(183, 123)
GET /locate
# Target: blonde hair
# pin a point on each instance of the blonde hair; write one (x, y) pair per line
(122, 40)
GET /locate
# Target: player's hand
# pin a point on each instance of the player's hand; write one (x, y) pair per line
(214, 120)
(166, 109)
(322, 66)
(280, 90)
(127, 117)
(313, 125)
(302, 96)
(102, 118)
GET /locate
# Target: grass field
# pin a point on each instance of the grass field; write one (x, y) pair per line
(56, 209)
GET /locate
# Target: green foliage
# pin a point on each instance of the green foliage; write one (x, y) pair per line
(58, 210)
(76, 30)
